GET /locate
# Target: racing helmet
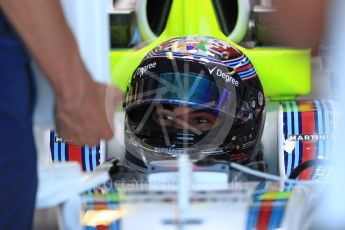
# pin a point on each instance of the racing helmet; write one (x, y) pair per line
(193, 95)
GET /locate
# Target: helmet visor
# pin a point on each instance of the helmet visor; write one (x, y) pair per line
(183, 89)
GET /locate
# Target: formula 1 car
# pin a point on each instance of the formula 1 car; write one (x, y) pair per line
(187, 196)
(183, 189)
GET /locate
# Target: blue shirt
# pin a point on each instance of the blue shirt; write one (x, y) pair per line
(12, 50)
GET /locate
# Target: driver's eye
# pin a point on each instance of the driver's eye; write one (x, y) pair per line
(167, 117)
(201, 120)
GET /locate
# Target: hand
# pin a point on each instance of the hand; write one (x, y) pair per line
(89, 118)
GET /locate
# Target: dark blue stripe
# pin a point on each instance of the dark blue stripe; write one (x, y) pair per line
(98, 155)
(292, 118)
(83, 157)
(285, 124)
(59, 151)
(90, 159)
(296, 132)
(52, 135)
(300, 142)
(56, 146)
(286, 158)
(66, 152)
(293, 153)
(289, 132)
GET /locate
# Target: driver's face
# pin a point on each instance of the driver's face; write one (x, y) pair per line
(182, 117)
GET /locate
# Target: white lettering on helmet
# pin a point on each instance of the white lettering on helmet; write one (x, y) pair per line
(141, 70)
(227, 77)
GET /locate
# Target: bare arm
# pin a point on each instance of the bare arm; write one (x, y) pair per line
(84, 108)
(42, 26)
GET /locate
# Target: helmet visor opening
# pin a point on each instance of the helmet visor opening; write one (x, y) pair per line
(182, 89)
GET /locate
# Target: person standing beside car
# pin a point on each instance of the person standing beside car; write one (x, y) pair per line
(83, 108)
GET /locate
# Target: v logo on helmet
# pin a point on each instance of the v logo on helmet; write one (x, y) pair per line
(211, 70)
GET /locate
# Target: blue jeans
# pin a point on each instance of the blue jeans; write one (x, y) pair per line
(18, 173)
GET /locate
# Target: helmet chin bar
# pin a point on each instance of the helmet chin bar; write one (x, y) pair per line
(186, 175)
(141, 157)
